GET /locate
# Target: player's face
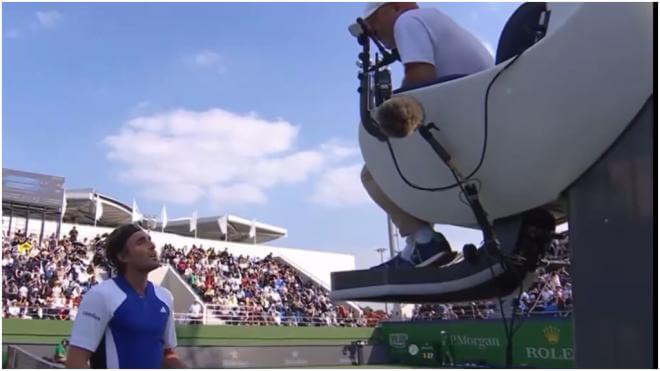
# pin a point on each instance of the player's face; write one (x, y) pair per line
(140, 253)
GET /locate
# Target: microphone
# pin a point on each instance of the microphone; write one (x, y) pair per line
(399, 116)
(355, 29)
(359, 28)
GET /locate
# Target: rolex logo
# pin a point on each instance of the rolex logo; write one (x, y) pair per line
(551, 334)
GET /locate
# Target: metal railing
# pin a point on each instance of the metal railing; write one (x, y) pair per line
(215, 315)
(236, 315)
(43, 312)
(435, 317)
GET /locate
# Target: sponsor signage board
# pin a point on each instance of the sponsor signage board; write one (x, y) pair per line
(31, 188)
(545, 343)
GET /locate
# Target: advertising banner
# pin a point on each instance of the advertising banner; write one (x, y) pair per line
(545, 343)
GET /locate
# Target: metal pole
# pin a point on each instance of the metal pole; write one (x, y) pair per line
(59, 226)
(392, 238)
(27, 218)
(381, 250)
(61, 216)
(43, 222)
(11, 217)
(60, 220)
(96, 204)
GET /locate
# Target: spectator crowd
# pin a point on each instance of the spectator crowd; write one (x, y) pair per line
(252, 290)
(47, 280)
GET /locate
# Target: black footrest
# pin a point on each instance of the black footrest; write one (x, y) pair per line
(462, 281)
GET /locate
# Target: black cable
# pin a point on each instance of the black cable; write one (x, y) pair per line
(409, 183)
(483, 147)
(485, 144)
(508, 327)
(517, 301)
(512, 330)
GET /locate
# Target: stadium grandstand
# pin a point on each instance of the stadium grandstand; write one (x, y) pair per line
(218, 277)
(52, 254)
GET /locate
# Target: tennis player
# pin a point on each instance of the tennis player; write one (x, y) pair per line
(126, 321)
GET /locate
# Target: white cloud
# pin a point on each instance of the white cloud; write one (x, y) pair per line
(208, 59)
(186, 193)
(338, 150)
(49, 19)
(339, 184)
(237, 194)
(340, 187)
(44, 20)
(186, 156)
(288, 169)
(226, 158)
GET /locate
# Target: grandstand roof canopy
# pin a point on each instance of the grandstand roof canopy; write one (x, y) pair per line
(81, 208)
(238, 229)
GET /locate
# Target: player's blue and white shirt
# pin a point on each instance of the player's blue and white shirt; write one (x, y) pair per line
(123, 329)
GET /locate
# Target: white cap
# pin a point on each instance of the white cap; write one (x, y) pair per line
(370, 8)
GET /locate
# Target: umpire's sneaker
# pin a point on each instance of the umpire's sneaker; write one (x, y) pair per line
(434, 252)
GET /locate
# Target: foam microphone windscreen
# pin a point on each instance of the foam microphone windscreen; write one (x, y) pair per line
(399, 116)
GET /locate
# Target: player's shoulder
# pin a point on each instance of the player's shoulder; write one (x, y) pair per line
(106, 295)
(107, 289)
(163, 294)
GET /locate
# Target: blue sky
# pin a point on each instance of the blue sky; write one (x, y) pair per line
(246, 109)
